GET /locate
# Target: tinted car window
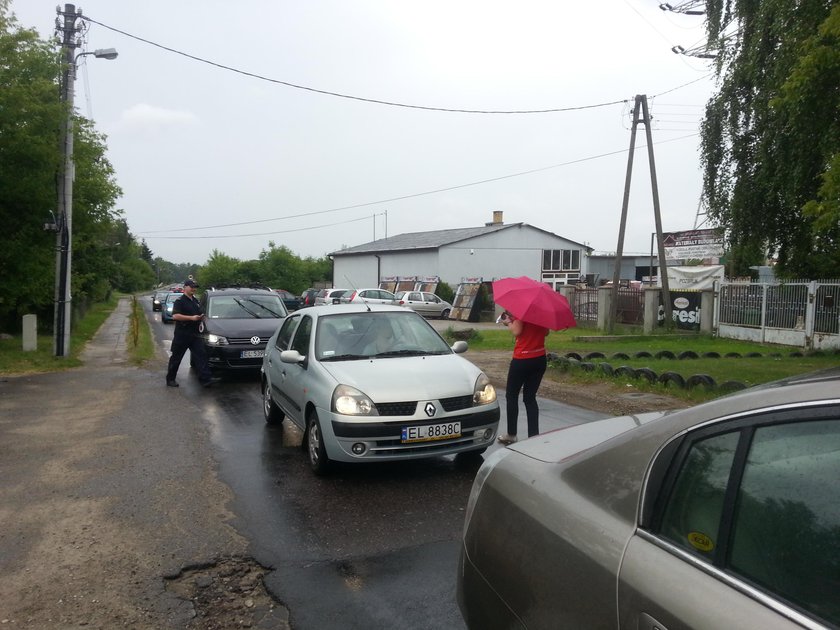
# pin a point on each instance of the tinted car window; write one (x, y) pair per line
(761, 502)
(786, 533)
(256, 306)
(301, 339)
(286, 332)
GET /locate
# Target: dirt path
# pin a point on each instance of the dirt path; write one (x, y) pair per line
(610, 397)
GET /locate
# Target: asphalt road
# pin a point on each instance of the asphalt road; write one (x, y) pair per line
(372, 546)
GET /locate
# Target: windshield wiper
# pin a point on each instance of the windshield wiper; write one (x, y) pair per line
(246, 309)
(402, 353)
(264, 307)
(344, 357)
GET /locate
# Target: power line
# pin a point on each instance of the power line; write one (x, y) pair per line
(305, 229)
(390, 200)
(357, 98)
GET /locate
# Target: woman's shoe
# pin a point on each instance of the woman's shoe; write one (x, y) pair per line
(505, 438)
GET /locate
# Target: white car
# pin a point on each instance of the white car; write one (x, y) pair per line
(427, 304)
(375, 383)
(370, 296)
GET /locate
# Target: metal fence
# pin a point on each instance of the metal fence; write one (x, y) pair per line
(803, 313)
(584, 303)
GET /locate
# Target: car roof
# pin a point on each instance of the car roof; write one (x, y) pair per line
(351, 307)
(239, 291)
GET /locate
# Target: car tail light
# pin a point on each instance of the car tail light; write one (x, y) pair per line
(402, 302)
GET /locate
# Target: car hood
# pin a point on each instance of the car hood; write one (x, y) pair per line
(407, 378)
(562, 444)
(242, 327)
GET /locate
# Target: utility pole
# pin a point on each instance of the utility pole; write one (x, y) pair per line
(63, 304)
(64, 222)
(640, 108)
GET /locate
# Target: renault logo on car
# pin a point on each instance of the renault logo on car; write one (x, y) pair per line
(429, 409)
(255, 341)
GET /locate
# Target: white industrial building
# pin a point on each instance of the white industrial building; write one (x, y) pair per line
(494, 250)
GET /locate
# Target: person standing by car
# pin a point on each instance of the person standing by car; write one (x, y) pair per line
(188, 314)
(524, 374)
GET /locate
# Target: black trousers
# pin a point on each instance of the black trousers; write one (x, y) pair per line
(524, 375)
(198, 358)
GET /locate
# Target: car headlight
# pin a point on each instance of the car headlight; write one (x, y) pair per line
(349, 401)
(216, 340)
(484, 393)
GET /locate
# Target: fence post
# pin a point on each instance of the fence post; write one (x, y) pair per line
(650, 314)
(707, 310)
(30, 333)
(604, 306)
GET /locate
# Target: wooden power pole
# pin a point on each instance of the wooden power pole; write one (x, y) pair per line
(640, 108)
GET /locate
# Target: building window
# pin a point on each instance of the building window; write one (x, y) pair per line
(561, 260)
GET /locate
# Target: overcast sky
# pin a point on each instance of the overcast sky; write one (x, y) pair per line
(196, 146)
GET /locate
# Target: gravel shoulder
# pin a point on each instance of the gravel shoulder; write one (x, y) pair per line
(606, 397)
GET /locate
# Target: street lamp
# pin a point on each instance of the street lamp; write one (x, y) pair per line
(65, 183)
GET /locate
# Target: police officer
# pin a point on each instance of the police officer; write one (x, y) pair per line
(187, 313)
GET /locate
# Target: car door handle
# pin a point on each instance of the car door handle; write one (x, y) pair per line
(646, 622)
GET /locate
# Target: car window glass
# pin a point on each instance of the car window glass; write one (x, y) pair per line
(416, 297)
(787, 518)
(301, 338)
(286, 332)
(692, 515)
(430, 297)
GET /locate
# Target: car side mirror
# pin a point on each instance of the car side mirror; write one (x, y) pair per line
(292, 356)
(459, 347)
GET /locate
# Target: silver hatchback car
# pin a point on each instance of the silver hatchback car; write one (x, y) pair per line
(375, 383)
(724, 515)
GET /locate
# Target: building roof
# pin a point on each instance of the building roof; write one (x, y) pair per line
(432, 240)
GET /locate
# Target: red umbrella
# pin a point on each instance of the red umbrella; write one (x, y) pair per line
(533, 302)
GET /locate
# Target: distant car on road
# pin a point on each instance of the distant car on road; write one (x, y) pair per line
(427, 304)
(158, 297)
(370, 296)
(290, 301)
(375, 383)
(166, 307)
(237, 324)
(724, 515)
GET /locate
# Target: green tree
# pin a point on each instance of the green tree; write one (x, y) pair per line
(772, 131)
(29, 160)
(219, 270)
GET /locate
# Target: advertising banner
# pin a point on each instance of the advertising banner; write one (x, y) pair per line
(692, 244)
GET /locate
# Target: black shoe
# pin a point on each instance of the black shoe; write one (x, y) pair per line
(212, 382)
(172, 384)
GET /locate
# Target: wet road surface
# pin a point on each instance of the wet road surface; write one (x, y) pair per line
(370, 546)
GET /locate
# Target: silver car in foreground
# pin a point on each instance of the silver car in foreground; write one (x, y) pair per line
(724, 515)
(375, 383)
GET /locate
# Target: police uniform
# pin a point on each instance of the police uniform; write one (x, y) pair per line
(188, 337)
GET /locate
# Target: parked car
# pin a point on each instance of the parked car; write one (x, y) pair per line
(329, 296)
(427, 304)
(158, 298)
(307, 298)
(237, 325)
(724, 515)
(370, 296)
(166, 307)
(375, 383)
(290, 301)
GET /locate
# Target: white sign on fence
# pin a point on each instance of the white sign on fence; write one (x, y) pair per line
(694, 278)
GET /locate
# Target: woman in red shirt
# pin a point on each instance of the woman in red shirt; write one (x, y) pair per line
(524, 374)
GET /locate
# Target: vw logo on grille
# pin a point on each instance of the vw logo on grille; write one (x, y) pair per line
(255, 341)
(429, 409)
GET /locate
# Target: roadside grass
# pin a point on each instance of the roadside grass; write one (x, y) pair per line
(749, 363)
(13, 360)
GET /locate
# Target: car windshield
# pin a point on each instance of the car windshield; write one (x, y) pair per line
(172, 297)
(245, 307)
(354, 336)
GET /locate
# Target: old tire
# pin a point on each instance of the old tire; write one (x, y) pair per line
(672, 379)
(731, 386)
(444, 314)
(688, 354)
(700, 380)
(626, 371)
(665, 354)
(647, 374)
(319, 461)
(606, 369)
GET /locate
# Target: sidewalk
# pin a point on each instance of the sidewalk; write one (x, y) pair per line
(109, 487)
